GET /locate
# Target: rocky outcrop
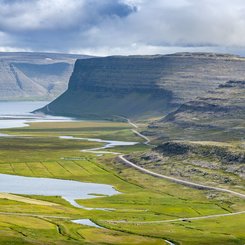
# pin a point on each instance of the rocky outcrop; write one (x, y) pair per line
(34, 76)
(142, 86)
(219, 115)
(223, 154)
(227, 100)
(173, 148)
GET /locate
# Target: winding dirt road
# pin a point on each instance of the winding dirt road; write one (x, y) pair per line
(175, 220)
(173, 179)
(179, 181)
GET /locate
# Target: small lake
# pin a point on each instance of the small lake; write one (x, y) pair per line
(87, 222)
(68, 189)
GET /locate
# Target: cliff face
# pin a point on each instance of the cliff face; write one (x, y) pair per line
(26, 76)
(141, 86)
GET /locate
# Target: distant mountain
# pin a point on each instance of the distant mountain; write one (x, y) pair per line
(39, 76)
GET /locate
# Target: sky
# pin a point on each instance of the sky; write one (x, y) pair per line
(123, 27)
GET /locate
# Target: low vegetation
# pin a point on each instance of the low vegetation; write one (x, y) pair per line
(141, 214)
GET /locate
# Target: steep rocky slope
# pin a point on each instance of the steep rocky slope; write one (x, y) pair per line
(210, 163)
(143, 86)
(25, 76)
(218, 116)
(227, 101)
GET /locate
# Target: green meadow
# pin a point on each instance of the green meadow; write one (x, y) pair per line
(141, 214)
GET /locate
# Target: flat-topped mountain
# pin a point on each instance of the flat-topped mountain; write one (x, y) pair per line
(26, 76)
(143, 86)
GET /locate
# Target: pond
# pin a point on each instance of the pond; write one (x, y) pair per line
(68, 189)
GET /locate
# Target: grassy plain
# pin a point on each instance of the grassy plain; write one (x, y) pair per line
(39, 152)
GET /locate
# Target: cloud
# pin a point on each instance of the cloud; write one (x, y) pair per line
(35, 15)
(122, 26)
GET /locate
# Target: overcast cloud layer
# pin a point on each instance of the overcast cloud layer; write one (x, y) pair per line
(104, 27)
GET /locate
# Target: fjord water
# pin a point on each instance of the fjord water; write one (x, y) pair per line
(18, 113)
(23, 108)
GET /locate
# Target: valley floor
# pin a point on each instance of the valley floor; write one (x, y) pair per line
(148, 210)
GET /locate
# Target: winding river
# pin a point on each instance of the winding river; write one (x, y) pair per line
(68, 189)
(16, 114)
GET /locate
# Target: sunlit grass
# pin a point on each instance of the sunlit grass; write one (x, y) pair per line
(142, 198)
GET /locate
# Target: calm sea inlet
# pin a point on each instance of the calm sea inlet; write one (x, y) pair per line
(18, 114)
